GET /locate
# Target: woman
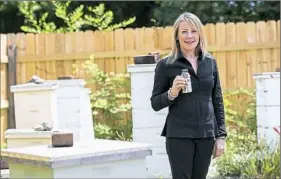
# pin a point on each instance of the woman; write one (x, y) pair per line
(195, 125)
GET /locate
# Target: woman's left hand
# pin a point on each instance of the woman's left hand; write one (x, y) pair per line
(219, 148)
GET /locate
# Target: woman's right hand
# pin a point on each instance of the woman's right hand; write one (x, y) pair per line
(178, 83)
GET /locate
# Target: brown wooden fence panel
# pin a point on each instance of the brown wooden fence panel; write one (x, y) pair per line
(4, 82)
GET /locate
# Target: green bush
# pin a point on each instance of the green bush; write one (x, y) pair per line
(109, 102)
(262, 163)
(244, 157)
(73, 20)
(240, 109)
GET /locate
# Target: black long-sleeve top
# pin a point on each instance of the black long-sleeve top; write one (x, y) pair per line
(197, 114)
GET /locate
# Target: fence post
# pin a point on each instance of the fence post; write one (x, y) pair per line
(12, 80)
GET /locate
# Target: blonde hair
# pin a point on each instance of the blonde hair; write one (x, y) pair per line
(195, 21)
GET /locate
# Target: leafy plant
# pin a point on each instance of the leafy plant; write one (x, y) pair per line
(110, 101)
(112, 97)
(103, 131)
(75, 20)
(262, 163)
(241, 138)
(238, 146)
(243, 156)
(244, 101)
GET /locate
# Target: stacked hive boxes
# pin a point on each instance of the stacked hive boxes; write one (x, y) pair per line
(148, 124)
(268, 106)
(63, 103)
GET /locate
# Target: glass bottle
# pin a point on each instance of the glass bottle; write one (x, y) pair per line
(188, 87)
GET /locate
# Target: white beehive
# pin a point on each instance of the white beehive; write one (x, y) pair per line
(34, 104)
(148, 124)
(268, 106)
(63, 103)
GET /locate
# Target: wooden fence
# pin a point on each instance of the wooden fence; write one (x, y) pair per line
(4, 82)
(241, 49)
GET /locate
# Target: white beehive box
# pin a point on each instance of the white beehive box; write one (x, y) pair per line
(34, 104)
(74, 109)
(27, 137)
(268, 106)
(63, 103)
(148, 124)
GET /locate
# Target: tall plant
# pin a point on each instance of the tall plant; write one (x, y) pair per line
(110, 101)
(96, 17)
(244, 157)
(240, 105)
(263, 162)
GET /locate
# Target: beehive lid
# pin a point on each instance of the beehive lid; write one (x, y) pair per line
(34, 87)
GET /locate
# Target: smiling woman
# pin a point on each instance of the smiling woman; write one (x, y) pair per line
(194, 127)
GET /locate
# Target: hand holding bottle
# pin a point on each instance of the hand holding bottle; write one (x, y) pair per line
(178, 83)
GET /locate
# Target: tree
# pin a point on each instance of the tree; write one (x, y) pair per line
(217, 11)
(73, 20)
(147, 13)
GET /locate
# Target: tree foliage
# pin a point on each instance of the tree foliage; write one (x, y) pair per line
(147, 13)
(73, 20)
(217, 11)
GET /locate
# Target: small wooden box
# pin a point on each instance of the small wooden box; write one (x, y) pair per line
(62, 139)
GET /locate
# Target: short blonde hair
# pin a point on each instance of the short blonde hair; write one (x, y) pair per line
(195, 21)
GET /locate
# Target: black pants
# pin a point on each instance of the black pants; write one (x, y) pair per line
(189, 158)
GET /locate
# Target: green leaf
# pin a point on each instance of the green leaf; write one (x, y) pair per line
(77, 14)
(29, 29)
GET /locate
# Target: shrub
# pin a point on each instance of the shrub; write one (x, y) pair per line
(262, 163)
(244, 157)
(110, 101)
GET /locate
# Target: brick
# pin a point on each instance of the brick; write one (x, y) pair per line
(62, 139)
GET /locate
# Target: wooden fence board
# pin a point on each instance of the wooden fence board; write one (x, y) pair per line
(231, 59)
(252, 54)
